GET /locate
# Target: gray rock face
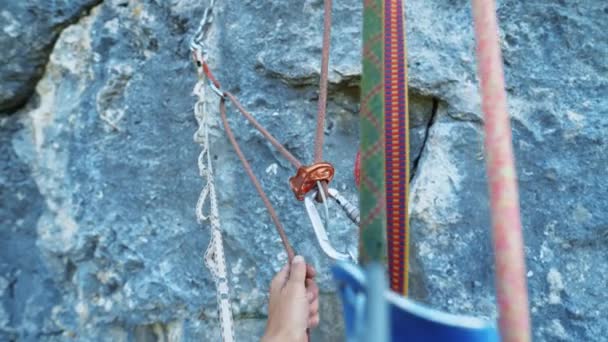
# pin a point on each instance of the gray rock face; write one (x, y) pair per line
(29, 30)
(24, 277)
(98, 238)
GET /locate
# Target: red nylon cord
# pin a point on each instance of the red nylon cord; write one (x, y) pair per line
(319, 133)
(284, 152)
(322, 104)
(209, 74)
(254, 180)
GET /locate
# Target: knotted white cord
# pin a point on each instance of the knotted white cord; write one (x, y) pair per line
(215, 259)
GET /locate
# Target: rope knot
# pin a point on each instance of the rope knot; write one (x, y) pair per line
(307, 177)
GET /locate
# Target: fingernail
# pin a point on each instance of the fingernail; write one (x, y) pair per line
(298, 259)
(309, 296)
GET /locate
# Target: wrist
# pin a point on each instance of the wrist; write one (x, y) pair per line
(282, 336)
(270, 337)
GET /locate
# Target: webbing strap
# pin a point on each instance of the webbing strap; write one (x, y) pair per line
(396, 152)
(372, 190)
(385, 141)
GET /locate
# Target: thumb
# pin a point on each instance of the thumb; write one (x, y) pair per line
(297, 275)
(279, 279)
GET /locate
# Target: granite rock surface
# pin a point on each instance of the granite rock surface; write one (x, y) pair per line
(98, 181)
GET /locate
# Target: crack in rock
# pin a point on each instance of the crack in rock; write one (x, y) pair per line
(430, 123)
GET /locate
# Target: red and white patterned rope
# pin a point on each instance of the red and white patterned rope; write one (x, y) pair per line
(511, 288)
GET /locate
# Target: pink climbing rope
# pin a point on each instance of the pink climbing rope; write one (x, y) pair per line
(511, 288)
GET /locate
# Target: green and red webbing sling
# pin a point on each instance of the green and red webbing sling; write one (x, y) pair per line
(384, 135)
(384, 175)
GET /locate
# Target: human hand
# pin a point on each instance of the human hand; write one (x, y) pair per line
(294, 303)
